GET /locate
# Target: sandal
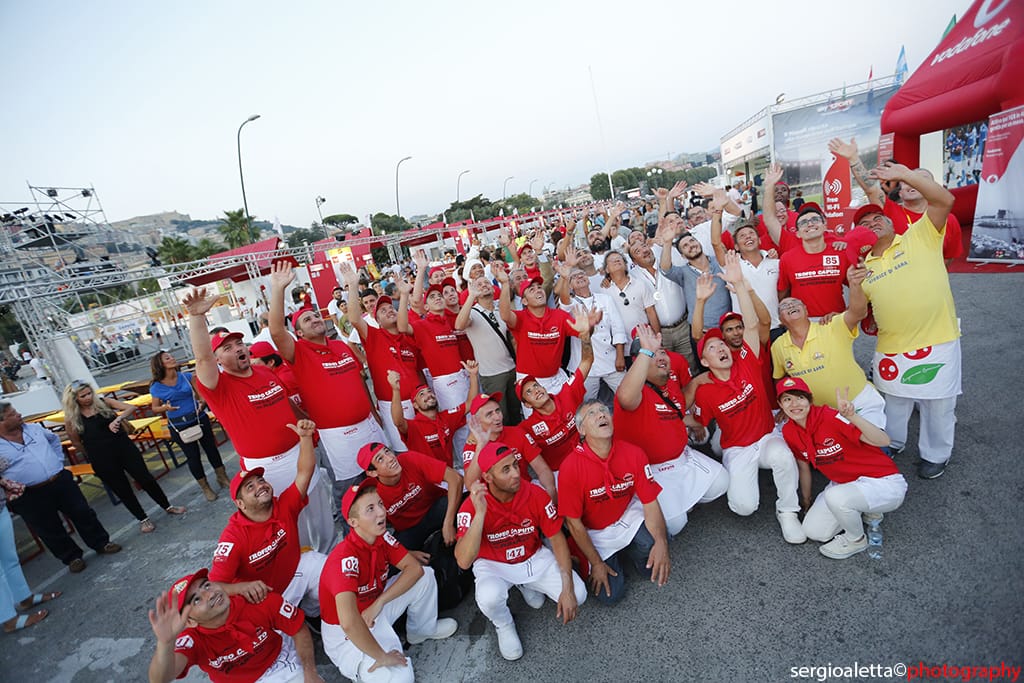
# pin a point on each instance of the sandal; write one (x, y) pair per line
(175, 510)
(24, 621)
(37, 599)
(146, 526)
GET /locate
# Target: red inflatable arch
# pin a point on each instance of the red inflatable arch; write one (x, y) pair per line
(977, 70)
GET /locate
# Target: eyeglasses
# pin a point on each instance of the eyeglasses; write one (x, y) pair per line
(625, 301)
(810, 220)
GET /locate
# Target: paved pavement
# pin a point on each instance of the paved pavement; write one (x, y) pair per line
(741, 604)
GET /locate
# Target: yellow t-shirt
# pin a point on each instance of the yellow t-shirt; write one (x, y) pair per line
(908, 288)
(825, 362)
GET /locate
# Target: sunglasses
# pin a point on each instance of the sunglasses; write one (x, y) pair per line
(79, 384)
(625, 301)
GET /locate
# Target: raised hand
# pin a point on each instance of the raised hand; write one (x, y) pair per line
(350, 276)
(572, 256)
(719, 199)
(167, 621)
(394, 379)
(501, 275)
(281, 275)
(847, 150)
(419, 257)
(704, 189)
(706, 286)
(649, 341)
(478, 494)
(890, 171)
(471, 366)
(677, 190)
(773, 174)
(404, 288)
(304, 428)
(843, 404)
(480, 434)
(732, 272)
(197, 302)
(856, 274)
(537, 241)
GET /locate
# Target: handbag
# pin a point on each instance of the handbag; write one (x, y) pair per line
(190, 434)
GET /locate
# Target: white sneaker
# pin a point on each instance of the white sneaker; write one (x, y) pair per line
(840, 548)
(792, 530)
(444, 629)
(533, 598)
(509, 645)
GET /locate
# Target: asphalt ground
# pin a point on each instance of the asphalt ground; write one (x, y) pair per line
(741, 604)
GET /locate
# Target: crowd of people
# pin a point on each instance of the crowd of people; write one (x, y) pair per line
(545, 414)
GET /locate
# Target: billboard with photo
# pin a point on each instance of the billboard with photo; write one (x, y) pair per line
(800, 136)
(998, 232)
(963, 148)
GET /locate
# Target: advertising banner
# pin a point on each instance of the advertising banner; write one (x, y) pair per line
(751, 139)
(963, 149)
(998, 233)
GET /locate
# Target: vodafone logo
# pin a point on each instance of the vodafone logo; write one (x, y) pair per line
(987, 12)
(834, 186)
(994, 178)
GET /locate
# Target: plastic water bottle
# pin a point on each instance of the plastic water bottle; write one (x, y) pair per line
(875, 539)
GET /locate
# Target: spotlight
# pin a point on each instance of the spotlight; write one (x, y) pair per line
(51, 193)
(86, 192)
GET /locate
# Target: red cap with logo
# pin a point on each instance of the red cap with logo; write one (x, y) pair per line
(493, 453)
(218, 339)
(791, 384)
(239, 479)
(364, 458)
(867, 210)
(727, 316)
(713, 333)
(525, 284)
(811, 207)
(526, 245)
(352, 493)
(482, 399)
(179, 589)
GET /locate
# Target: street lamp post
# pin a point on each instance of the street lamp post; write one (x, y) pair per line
(654, 177)
(245, 204)
(320, 201)
(398, 207)
(458, 186)
(504, 187)
(530, 191)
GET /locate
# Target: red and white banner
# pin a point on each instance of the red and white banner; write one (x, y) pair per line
(835, 191)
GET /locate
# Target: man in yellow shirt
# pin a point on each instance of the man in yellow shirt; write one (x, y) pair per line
(917, 360)
(821, 354)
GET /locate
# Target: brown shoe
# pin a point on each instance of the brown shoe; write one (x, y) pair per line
(109, 549)
(76, 565)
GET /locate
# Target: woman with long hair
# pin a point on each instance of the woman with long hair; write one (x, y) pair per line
(175, 398)
(95, 429)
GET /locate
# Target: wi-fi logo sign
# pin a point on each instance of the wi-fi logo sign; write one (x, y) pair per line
(834, 186)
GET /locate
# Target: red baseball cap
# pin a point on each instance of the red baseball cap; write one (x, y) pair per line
(713, 333)
(810, 207)
(526, 245)
(218, 339)
(381, 300)
(262, 349)
(449, 282)
(352, 493)
(856, 240)
(493, 453)
(239, 479)
(365, 456)
(298, 314)
(482, 399)
(526, 283)
(417, 390)
(179, 589)
(791, 384)
(521, 384)
(727, 316)
(867, 210)
(434, 270)
(433, 288)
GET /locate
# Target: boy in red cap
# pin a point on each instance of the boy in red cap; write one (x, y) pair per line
(410, 486)
(259, 550)
(233, 641)
(501, 528)
(847, 449)
(432, 430)
(359, 603)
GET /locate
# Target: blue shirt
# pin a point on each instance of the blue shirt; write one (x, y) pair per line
(179, 396)
(35, 460)
(716, 306)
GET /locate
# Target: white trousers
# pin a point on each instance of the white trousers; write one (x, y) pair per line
(394, 437)
(287, 668)
(938, 425)
(743, 463)
(540, 573)
(685, 481)
(343, 443)
(593, 383)
(451, 392)
(870, 405)
(840, 506)
(420, 602)
(304, 588)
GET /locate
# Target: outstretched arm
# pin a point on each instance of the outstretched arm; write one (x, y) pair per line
(733, 275)
(281, 275)
(197, 303)
(940, 200)
(771, 178)
(849, 151)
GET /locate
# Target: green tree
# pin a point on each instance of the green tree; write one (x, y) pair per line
(235, 229)
(624, 180)
(147, 286)
(174, 250)
(296, 238)
(599, 186)
(383, 223)
(478, 207)
(340, 219)
(205, 248)
(10, 328)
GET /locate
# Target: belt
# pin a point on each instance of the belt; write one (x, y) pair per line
(44, 483)
(676, 323)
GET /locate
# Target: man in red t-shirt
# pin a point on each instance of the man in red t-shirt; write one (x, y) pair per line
(486, 408)
(608, 496)
(650, 412)
(814, 271)
(410, 486)
(359, 603)
(387, 350)
(232, 641)
(500, 529)
(259, 549)
(737, 399)
(552, 421)
(432, 430)
(252, 404)
(327, 369)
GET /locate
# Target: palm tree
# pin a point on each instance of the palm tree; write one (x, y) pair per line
(206, 247)
(174, 250)
(235, 229)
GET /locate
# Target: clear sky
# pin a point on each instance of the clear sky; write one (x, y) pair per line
(143, 99)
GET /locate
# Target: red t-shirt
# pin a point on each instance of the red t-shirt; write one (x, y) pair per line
(788, 237)
(438, 343)
(740, 404)
(255, 412)
(902, 218)
(597, 491)
(434, 436)
(357, 567)
(416, 490)
(540, 341)
(655, 425)
(815, 279)
(265, 551)
(556, 433)
(243, 649)
(517, 438)
(765, 359)
(327, 372)
(832, 444)
(287, 377)
(386, 351)
(465, 346)
(512, 530)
